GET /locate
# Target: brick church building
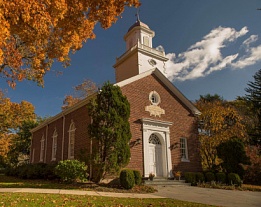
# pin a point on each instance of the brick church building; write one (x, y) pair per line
(162, 120)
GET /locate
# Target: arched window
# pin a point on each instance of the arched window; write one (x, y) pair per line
(42, 149)
(71, 141)
(154, 139)
(54, 146)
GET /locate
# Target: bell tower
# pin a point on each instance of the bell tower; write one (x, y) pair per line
(140, 56)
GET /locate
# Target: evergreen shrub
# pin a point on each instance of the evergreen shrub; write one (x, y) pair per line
(190, 177)
(233, 154)
(234, 179)
(71, 170)
(10, 171)
(127, 179)
(22, 171)
(137, 177)
(221, 177)
(32, 171)
(200, 177)
(210, 176)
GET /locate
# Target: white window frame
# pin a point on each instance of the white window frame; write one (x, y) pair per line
(154, 98)
(184, 149)
(54, 145)
(71, 143)
(42, 149)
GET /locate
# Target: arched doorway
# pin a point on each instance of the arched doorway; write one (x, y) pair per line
(155, 155)
(156, 147)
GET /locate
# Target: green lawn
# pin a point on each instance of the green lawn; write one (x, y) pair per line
(13, 182)
(27, 199)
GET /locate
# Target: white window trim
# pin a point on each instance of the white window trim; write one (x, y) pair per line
(161, 128)
(186, 150)
(54, 145)
(71, 132)
(42, 149)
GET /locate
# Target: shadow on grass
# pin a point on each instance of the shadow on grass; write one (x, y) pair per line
(113, 186)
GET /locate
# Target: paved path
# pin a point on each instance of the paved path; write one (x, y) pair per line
(216, 197)
(229, 198)
(78, 192)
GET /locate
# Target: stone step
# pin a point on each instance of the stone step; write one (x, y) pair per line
(164, 181)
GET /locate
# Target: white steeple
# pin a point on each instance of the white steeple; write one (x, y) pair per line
(140, 56)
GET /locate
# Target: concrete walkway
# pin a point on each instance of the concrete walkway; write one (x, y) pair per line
(216, 197)
(78, 192)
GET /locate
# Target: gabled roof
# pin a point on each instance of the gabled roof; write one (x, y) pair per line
(65, 112)
(154, 71)
(167, 83)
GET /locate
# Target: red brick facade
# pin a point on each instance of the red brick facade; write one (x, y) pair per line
(182, 119)
(184, 124)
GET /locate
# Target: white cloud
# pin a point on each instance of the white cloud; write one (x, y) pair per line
(251, 39)
(205, 56)
(251, 58)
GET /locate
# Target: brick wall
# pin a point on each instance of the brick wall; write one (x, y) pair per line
(82, 142)
(138, 95)
(183, 122)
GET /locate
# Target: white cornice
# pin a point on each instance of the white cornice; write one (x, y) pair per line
(138, 49)
(167, 83)
(154, 71)
(65, 112)
(154, 121)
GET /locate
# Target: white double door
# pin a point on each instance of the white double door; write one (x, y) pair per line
(155, 159)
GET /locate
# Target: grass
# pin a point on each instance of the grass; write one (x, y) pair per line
(31, 199)
(13, 182)
(27, 199)
(243, 187)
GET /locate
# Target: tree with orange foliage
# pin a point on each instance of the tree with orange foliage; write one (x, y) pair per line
(81, 91)
(12, 115)
(219, 121)
(34, 33)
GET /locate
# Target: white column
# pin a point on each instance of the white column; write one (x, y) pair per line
(169, 162)
(146, 152)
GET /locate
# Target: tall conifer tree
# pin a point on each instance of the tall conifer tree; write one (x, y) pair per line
(254, 96)
(110, 112)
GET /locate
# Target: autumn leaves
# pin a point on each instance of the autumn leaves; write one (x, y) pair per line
(35, 33)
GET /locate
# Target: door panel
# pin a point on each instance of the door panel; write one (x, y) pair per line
(155, 160)
(158, 156)
(152, 159)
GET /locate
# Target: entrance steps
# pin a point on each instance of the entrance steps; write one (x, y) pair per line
(165, 181)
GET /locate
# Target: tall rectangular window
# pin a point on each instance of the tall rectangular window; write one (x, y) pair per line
(42, 149)
(184, 150)
(54, 146)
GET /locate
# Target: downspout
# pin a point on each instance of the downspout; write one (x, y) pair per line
(63, 134)
(45, 149)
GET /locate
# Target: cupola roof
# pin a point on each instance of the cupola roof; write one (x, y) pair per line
(138, 23)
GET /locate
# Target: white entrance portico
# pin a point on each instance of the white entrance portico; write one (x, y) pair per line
(156, 147)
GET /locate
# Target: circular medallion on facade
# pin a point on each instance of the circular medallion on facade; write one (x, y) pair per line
(152, 62)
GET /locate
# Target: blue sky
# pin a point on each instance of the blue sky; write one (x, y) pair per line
(214, 46)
